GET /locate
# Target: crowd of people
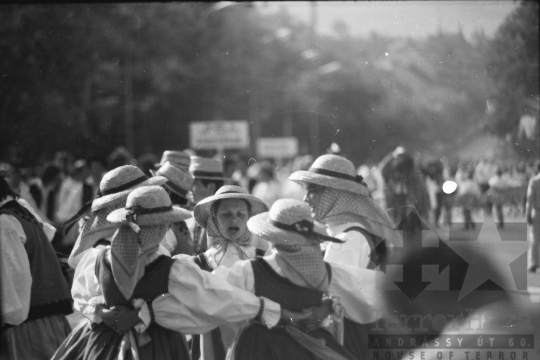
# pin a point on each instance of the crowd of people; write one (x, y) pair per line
(190, 257)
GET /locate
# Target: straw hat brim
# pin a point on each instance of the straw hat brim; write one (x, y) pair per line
(261, 227)
(108, 200)
(310, 177)
(181, 166)
(195, 177)
(172, 186)
(171, 216)
(202, 210)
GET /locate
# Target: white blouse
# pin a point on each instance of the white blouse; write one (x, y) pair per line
(197, 301)
(355, 287)
(353, 252)
(15, 277)
(217, 259)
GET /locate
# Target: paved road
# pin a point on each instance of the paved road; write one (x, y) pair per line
(515, 229)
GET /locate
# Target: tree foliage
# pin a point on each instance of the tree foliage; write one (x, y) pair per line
(513, 65)
(67, 71)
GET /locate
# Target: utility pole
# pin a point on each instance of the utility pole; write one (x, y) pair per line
(314, 121)
(254, 99)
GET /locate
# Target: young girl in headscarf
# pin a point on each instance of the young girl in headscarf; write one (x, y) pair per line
(166, 293)
(225, 216)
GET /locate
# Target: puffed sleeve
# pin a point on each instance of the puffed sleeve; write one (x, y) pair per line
(16, 281)
(85, 290)
(353, 252)
(199, 301)
(357, 292)
(239, 275)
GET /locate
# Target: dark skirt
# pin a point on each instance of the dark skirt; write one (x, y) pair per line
(259, 342)
(99, 342)
(355, 338)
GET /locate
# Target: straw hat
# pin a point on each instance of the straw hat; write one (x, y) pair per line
(177, 158)
(180, 180)
(332, 171)
(288, 223)
(149, 206)
(205, 168)
(118, 183)
(202, 210)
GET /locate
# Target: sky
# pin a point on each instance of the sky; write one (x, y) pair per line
(414, 19)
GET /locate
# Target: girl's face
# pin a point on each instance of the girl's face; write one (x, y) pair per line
(313, 197)
(232, 217)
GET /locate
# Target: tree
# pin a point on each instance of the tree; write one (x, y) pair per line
(513, 65)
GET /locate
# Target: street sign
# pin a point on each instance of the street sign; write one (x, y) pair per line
(277, 147)
(219, 134)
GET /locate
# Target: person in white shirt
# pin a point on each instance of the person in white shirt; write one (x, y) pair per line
(532, 212)
(497, 186)
(224, 216)
(295, 275)
(338, 199)
(35, 296)
(468, 197)
(180, 297)
(208, 177)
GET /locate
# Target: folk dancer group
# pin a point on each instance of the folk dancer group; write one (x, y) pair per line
(230, 279)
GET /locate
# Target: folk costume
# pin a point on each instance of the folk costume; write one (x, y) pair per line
(223, 252)
(203, 169)
(178, 239)
(128, 270)
(181, 297)
(113, 191)
(35, 295)
(353, 217)
(296, 276)
(532, 212)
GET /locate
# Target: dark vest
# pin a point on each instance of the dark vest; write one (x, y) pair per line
(155, 281)
(50, 294)
(271, 285)
(87, 192)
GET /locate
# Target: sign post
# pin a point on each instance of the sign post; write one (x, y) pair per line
(277, 147)
(222, 135)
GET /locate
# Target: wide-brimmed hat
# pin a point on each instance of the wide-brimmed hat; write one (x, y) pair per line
(177, 158)
(202, 210)
(206, 168)
(118, 183)
(180, 180)
(288, 223)
(149, 206)
(332, 171)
